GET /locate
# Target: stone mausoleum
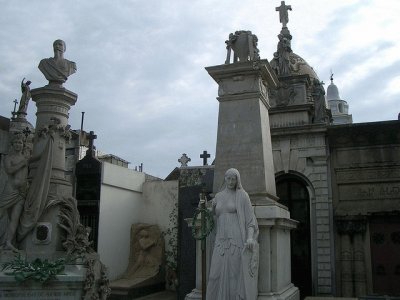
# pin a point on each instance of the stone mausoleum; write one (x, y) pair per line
(339, 180)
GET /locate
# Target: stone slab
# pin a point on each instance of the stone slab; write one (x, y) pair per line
(68, 286)
(164, 295)
(41, 294)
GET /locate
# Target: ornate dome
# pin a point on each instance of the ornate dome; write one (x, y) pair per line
(297, 66)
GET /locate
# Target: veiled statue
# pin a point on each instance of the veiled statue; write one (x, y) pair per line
(234, 262)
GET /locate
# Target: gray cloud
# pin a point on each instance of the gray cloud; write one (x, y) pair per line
(141, 78)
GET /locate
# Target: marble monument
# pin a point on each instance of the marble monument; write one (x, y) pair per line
(39, 216)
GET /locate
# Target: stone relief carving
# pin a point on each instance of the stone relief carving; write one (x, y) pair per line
(146, 257)
(351, 226)
(191, 177)
(286, 95)
(12, 198)
(296, 62)
(244, 45)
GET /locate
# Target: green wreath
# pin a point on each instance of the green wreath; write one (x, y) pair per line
(208, 224)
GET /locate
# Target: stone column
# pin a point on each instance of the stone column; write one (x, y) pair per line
(346, 258)
(360, 278)
(244, 143)
(53, 105)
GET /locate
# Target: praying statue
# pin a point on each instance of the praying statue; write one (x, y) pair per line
(234, 262)
(12, 198)
(57, 69)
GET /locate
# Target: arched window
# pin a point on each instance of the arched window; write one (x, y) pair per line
(340, 107)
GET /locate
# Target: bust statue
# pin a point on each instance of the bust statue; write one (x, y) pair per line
(57, 69)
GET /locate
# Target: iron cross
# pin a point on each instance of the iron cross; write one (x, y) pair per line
(204, 156)
(91, 137)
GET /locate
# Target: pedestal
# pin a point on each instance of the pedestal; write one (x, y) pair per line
(274, 281)
(68, 286)
(48, 185)
(243, 137)
(53, 105)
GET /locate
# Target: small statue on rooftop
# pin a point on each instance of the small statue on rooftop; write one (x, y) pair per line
(318, 93)
(57, 69)
(26, 95)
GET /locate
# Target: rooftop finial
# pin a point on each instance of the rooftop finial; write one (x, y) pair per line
(283, 13)
(331, 77)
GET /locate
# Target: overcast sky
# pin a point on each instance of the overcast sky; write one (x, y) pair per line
(141, 79)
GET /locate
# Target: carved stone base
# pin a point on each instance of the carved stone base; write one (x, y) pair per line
(289, 293)
(68, 286)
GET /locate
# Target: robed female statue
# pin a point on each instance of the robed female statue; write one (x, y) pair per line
(234, 262)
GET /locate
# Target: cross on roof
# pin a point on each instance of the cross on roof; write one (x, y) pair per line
(204, 156)
(283, 13)
(184, 160)
(91, 137)
(15, 105)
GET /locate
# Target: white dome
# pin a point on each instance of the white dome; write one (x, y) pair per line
(332, 92)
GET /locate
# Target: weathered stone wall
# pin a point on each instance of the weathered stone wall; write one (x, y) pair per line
(365, 160)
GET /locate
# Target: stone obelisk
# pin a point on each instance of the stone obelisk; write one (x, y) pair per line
(244, 143)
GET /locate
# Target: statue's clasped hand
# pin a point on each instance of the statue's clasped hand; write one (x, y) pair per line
(250, 243)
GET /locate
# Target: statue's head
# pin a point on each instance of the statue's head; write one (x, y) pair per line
(17, 143)
(232, 179)
(59, 45)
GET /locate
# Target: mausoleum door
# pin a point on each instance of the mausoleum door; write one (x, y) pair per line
(385, 249)
(293, 194)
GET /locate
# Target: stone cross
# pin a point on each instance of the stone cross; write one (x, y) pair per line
(204, 156)
(184, 160)
(26, 132)
(91, 137)
(14, 113)
(15, 105)
(283, 13)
